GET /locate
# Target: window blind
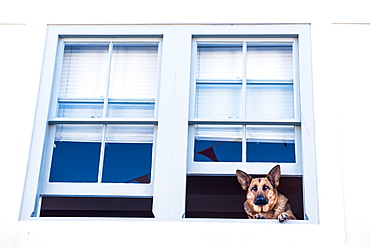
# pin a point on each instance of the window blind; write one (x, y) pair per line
(134, 72)
(269, 82)
(125, 73)
(84, 71)
(263, 90)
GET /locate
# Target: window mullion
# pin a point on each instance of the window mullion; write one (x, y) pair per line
(244, 102)
(102, 152)
(107, 81)
(244, 83)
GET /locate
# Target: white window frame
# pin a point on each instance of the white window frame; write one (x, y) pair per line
(171, 157)
(97, 189)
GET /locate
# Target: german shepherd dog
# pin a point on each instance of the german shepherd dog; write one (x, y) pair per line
(263, 199)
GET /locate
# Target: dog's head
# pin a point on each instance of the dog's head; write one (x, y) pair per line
(261, 192)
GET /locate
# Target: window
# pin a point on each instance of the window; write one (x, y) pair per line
(151, 121)
(102, 126)
(246, 108)
(245, 111)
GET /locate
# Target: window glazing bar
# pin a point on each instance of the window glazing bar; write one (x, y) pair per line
(245, 122)
(95, 121)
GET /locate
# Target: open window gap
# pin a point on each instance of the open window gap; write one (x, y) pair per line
(56, 206)
(222, 196)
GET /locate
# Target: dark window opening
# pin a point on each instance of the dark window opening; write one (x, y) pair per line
(222, 196)
(96, 207)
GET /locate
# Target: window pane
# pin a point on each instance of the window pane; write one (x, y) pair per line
(128, 154)
(220, 61)
(269, 62)
(270, 101)
(80, 110)
(271, 144)
(76, 154)
(131, 110)
(84, 75)
(132, 88)
(84, 71)
(134, 71)
(218, 144)
(270, 93)
(219, 101)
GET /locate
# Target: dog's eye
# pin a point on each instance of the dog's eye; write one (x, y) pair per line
(254, 188)
(265, 187)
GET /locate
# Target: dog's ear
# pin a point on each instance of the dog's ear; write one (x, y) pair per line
(244, 179)
(274, 176)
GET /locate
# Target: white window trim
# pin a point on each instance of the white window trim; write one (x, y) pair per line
(171, 157)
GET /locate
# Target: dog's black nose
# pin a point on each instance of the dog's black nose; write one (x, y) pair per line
(261, 200)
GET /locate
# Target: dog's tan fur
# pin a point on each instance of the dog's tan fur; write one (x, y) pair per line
(272, 204)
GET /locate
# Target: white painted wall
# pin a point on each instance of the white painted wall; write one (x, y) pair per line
(341, 65)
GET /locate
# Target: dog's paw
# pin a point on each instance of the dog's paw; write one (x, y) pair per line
(259, 216)
(283, 217)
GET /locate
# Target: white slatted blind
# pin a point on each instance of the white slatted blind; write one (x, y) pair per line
(268, 81)
(126, 73)
(79, 133)
(269, 62)
(219, 74)
(218, 132)
(129, 133)
(84, 71)
(221, 101)
(270, 102)
(134, 72)
(276, 134)
(220, 61)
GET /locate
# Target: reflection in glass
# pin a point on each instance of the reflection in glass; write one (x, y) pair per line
(218, 144)
(76, 153)
(271, 144)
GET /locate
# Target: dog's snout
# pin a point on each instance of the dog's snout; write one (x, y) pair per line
(260, 200)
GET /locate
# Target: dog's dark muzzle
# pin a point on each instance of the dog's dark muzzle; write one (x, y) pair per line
(261, 200)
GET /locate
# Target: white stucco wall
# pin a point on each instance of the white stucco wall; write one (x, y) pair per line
(340, 52)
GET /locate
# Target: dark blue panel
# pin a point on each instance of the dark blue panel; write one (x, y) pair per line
(128, 162)
(271, 152)
(75, 162)
(217, 151)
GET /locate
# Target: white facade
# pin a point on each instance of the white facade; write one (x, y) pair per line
(340, 34)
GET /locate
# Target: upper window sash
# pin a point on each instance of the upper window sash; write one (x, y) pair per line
(233, 83)
(105, 81)
(243, 82)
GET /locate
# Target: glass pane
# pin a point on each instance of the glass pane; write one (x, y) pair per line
(80, 110)
(131, 110)
(270, 93)
(270, 101)
(84, 71)
(128, 154)
(219, 101)
(220, 61)
(269, 62)
(129, 134)
(271, 144)
(134, 71)
(218, 143)
(76, 154)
